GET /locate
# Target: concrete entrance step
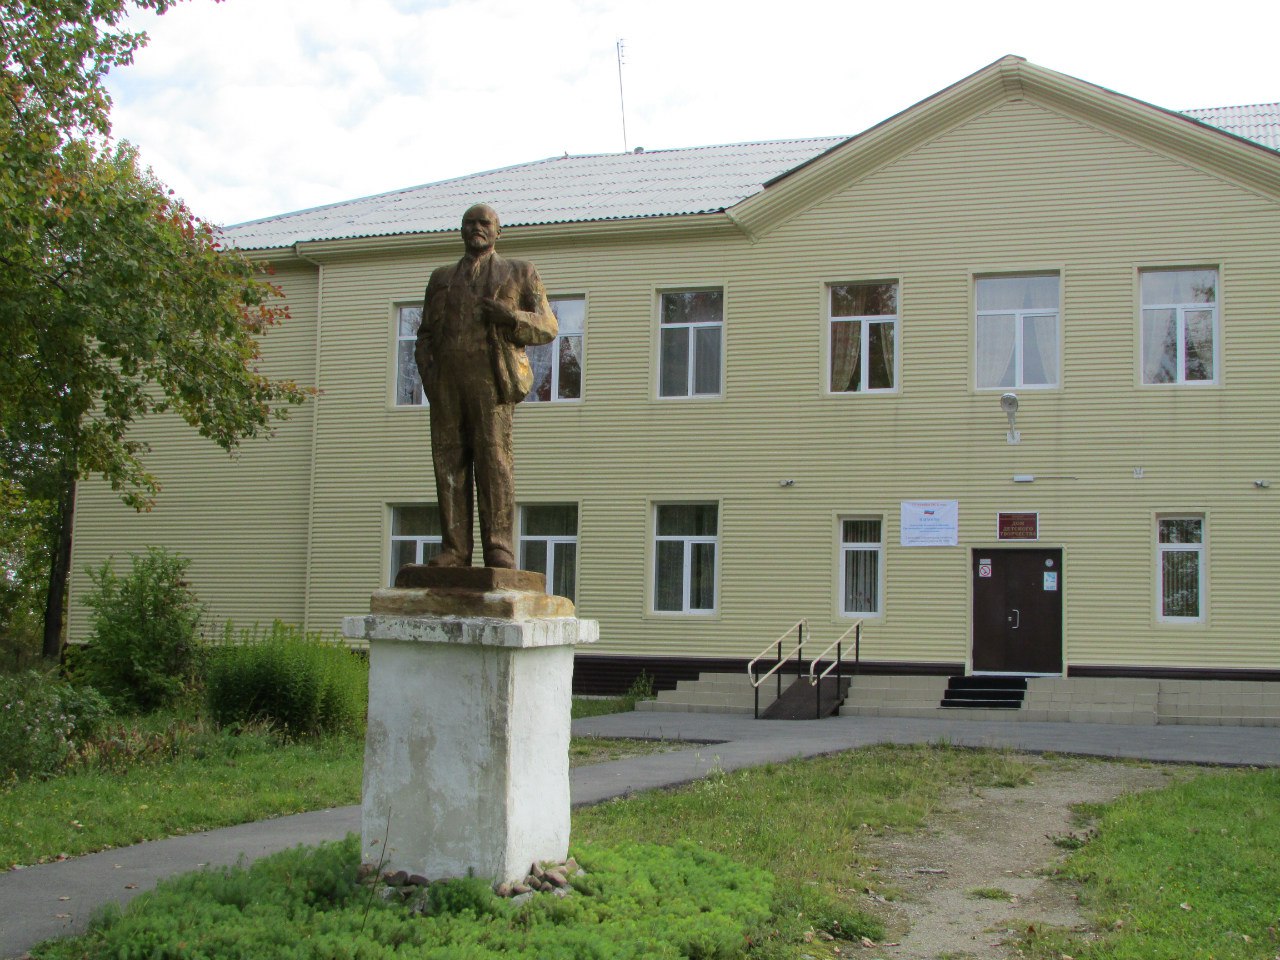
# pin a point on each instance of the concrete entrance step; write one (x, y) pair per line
(712, 693)
(985, 693)
(1056, 699)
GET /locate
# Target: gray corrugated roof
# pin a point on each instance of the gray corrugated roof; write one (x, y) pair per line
(1259, 122)
(613, 186)
(556, 190)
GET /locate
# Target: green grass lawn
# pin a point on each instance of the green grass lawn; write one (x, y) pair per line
(598, 706)
(633, 902)
(1189, 872)
(201, 780)
(805, 821)
(802, 822)
(87, 810)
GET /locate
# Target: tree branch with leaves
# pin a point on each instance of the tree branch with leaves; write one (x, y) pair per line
(117, 302)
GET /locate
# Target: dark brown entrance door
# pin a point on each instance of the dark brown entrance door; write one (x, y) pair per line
(1017, 611)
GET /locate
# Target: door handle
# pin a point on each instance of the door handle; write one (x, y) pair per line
(1015, 618)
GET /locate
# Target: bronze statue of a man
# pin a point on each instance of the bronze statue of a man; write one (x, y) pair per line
(478, 315)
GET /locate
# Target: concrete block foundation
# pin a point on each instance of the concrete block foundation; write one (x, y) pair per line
(467, 750)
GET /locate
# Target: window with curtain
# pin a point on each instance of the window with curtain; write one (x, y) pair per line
(415, 535)
(557, 366)
(861, 550)
(549, 545)
(685, 540)
(1181, 577)
(1016, 331)
(1179, 326)
(864, 329)
(690, 328)
(409, 391)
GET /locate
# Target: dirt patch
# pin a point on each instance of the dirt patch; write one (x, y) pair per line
(978, 876)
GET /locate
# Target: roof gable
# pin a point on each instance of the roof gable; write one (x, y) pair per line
(1202, 144)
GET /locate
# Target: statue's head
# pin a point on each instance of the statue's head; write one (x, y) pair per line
(480, 228)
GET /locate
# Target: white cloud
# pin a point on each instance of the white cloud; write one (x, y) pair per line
(254, 107)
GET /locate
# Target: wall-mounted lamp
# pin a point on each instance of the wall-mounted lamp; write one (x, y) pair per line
(1024, 478)
(1009, 404)
(786, 483)
(1262, 484)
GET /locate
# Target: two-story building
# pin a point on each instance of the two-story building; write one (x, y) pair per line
(997, 377)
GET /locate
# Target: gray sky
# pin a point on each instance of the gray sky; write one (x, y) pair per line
(250, 108)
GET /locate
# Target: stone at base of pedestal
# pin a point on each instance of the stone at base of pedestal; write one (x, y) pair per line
(466, 756)
(425, 591)
(478, 579)
(442, 602)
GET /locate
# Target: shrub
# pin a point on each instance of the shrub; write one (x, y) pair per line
(43, 721)
(299, 682)
(641, 689)
(635, 902)
(144, 647)
(21, 637)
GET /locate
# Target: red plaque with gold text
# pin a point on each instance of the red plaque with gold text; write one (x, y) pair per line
(1017, 526)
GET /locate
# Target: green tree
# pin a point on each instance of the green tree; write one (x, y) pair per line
(116, 301)
(26, 531)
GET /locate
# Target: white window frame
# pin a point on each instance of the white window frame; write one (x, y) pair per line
(864, 321)
(1202, 580)
(393, 539)
(692, 328)
(553, 543)
(401, 339)
(686, 574)
(848, 547)
(1020, 318)
(1180, 330)
(554, 348)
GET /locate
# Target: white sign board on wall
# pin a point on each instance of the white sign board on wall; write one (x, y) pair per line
(930, 523)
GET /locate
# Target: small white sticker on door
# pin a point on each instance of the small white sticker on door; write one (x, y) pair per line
(1051, 580)
(984, 569)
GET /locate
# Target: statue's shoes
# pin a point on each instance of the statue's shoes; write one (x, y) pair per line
(448, 560)
(500, 559)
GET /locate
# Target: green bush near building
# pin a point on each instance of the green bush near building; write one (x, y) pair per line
(44, 722)
(144, 650)
(300, 683)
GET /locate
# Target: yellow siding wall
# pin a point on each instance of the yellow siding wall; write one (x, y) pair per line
(1017, 188)
(242, 521)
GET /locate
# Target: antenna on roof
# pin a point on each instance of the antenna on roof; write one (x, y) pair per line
(622, 103)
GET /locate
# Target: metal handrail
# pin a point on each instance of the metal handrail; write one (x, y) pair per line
(813, 664)
(799, 629)
(798, 625)
(815, 678)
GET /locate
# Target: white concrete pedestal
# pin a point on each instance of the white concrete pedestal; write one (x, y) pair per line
(467, 754)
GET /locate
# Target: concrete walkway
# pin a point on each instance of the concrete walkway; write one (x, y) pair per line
(58, 898)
